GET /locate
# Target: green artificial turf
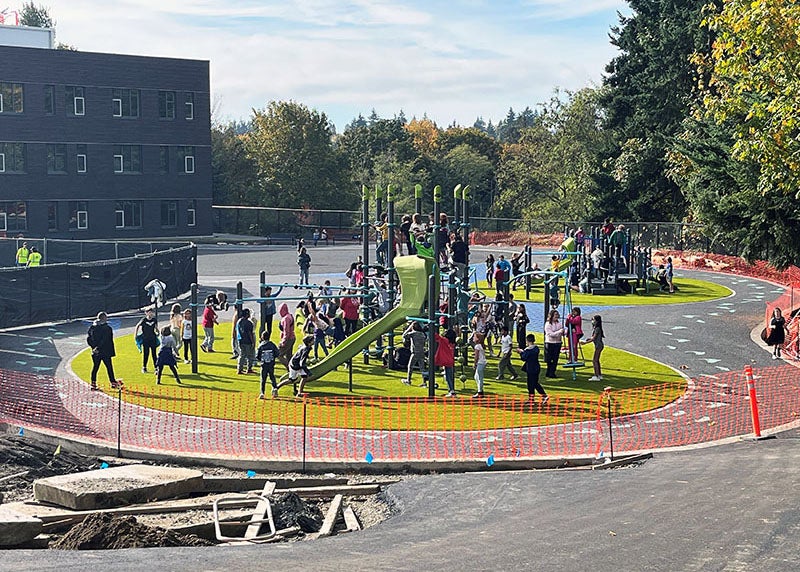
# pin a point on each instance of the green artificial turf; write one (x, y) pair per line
(379, 400)
(689, 290)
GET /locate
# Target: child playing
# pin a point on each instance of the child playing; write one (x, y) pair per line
(187, 329)
(479, 357)
(166, 355)
(574, 326)
(445, 358)
(209, 319)
(266, 355)
(298, 367)
(530, 355)
(506, 344)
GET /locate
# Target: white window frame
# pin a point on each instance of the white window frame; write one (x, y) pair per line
(191, 219)
(83, 220)
(1, 103)
(81, 158)
(188, 110)
(3, 222)
(121, 160)
(2, 162)
(82, 101)
(120, 213)
(116, 107)
(188, 164)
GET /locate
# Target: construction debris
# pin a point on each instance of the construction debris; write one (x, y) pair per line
(17, 528)
(142, 505)
(117, 486)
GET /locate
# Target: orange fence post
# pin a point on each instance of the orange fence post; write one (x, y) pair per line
(751, 389)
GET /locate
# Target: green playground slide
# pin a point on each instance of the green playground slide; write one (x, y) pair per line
(569, 246)
(412, 271)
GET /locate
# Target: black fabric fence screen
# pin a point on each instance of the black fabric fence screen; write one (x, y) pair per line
(55, 251)
(63, 292)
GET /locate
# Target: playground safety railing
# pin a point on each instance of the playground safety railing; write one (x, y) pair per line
(365, 429)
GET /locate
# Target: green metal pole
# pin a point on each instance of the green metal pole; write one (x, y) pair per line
(390, 264)
(418, 198)
(365, 253)
(433, 292)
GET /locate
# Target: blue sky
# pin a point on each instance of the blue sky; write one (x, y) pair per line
(451, 61)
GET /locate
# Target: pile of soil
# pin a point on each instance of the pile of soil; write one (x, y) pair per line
(104, 531)
(290, 510)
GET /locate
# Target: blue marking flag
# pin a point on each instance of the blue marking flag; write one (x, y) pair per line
(251, 474)
(103, 465)
(490, 461)
(21, 431)
(369, 458)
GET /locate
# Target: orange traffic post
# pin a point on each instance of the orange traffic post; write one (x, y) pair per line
(751, 390)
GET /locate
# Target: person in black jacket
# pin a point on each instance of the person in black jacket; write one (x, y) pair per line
(148, 329)
(100, 338)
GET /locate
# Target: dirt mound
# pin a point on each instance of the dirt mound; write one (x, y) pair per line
(104, 531)
(290, 510)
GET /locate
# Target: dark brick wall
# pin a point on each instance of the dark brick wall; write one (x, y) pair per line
(99, 130)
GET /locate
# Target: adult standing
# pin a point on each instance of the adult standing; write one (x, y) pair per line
(521, 322)
(286, 326)
(34, 258)
(489, 269)
(553, 332)
(100, 338)
(532, 369)
(596, 338)
(304, 263)
(617, 240)
(148, 329)
(777, 333)
(22, 255)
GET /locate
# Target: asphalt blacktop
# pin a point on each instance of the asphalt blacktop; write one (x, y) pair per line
(725, 508)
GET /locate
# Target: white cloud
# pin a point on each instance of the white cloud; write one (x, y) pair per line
(354, 55)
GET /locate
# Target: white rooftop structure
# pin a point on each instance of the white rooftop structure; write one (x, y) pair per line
(27, 37)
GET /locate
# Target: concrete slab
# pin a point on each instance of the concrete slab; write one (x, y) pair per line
(117, 486)
(17, 528)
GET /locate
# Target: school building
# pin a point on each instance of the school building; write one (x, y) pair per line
(99, 145)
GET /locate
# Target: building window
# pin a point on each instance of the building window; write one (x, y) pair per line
(166, 105)
(163, 166)
(127, 159)
(15, 216)
(11, 97)
(80, 158)
(49, 100)
(190, 213)
(186, 160)
(125, 102)
(12, 157)
(169, 214)
(128, 214)
(78, 215)
(188, 106)
(52, 215)
(56, 158)
(75, 100)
